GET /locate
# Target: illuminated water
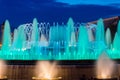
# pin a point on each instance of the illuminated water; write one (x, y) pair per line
(59, 42)
(3, 69)
(105, 67)
(46, 70)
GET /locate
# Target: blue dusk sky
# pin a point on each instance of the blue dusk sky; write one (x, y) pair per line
(23, 11)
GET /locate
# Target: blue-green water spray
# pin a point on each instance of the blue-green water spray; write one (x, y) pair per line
(108, 38)
(82, 40)
(64, 42)
(6, 42)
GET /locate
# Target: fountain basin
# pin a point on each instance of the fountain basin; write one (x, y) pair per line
(36, 78)
(3, 78)
(106, 79)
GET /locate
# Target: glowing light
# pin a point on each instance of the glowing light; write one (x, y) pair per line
(3, 68)
(47, 76)
(104, 67)
(46, 70)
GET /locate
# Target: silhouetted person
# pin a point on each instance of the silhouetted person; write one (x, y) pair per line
(83, 77)
(91, 78)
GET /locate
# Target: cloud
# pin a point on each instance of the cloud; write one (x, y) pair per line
(95, 2)
(19, 12)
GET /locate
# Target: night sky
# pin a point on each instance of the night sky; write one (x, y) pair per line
(23, 11)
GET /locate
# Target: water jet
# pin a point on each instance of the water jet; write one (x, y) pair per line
(105, 68)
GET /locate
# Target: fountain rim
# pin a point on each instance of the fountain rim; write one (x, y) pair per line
(81, 63)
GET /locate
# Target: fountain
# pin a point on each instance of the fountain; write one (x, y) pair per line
(46, 70)
(3, 68)
(105, 68)
(36, 41)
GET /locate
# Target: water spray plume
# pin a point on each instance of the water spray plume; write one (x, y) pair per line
(104, 67)
(46, 70)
